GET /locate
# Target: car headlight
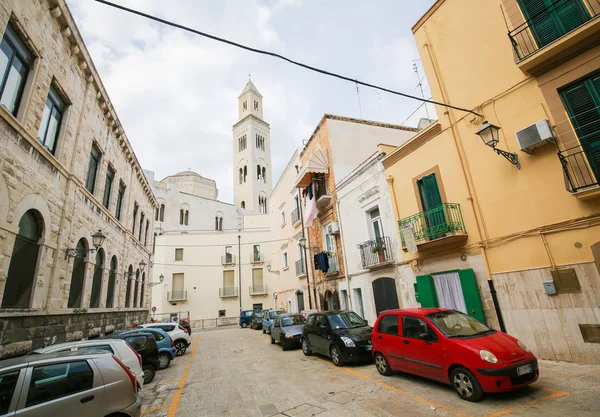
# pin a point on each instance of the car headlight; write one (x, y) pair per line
(288, 335)
(523, 346)
(488, 356)
(348, 342)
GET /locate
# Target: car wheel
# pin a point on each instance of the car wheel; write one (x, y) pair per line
(264, 331)
(244, 325)
(336, 356)
(283, 345)
(164, 360)
(272, 340)
(466, 385)
(149, 373)
(382, 364)
(305, 349)
(180, 348)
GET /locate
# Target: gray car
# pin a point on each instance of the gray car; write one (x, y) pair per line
(287, 330)
(91, 384)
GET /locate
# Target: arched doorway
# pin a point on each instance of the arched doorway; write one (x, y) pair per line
(23, 263)
(143, 286)
(384, 293)
(300, 300)
(128, 280)
(112, 276)
(136, 289)
(97, 280)
(78, 275)
(327, 301)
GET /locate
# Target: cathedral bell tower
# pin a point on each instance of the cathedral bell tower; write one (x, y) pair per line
(251, 153)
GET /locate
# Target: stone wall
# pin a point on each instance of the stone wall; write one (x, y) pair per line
(24, 331)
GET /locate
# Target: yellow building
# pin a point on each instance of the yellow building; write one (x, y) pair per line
(517, 221)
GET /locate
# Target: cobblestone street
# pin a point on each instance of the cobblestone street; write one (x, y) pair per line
(237, 372)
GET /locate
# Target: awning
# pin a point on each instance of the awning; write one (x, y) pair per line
(317, 163)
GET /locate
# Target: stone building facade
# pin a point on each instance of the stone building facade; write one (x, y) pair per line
(67, 171)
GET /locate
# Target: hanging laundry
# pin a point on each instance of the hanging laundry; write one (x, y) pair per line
(310, 211)
(309, 190)
(321, 261)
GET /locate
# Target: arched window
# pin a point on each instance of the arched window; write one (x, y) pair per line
(245, 172)
(258, 171)
(264, 175)
(243, 205)
(146, 233)
(23, 262)
(186, 217)
(136, 289)
(216, 222)
(181, 216)
(221, 223)
(156, 217)
(112, 275)
(128, 280)
(241, 175)
(143, 287)
(97, 279)
(78, 275)
(162, 213)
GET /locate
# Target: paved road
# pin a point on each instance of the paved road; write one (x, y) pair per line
(236, 372)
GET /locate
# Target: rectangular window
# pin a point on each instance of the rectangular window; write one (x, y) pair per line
(120, 195)
(15, 63)
(228, 254)
(228, 279)
(376, 229)
(93, 165)
(110, 176)
(344, 300)
(146, 233)
(51, 119)
(257, 278)
(285, 260)
(283, 218)
(135, 211)
(56, 380)
(178, 283)
(256, 253)
(222, 313)
(329, 240)
(141, 226)
(358, 302)
(179, 254)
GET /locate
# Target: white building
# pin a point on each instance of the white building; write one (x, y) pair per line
(251, 153)
(377, 279)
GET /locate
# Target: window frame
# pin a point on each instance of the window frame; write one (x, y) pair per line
(26, 58)
(57, 105)
(29, 402)
(393, 316)
(428, 327)
(96, 157)
(284, 260)
(176, 252)
(108, 185)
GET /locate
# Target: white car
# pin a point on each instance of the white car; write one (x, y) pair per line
(180, 336)
(118, 347)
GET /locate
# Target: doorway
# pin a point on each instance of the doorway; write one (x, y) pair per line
(78, 275)
(97, 279)
(300, 301)
(385, 295)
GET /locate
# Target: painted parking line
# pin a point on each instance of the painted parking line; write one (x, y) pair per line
(553, 395)
(177, 397)
(155, 409)
(147, 387)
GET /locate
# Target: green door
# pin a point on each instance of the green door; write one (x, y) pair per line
(431, 201)
(551, 19)
(471, 294)
(582, 101)
(425, 292)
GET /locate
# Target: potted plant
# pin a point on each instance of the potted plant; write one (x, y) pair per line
(379, 248)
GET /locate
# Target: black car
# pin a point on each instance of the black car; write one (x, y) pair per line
(342, 335)
(145, 345)
(287, 330)
(256, 320)
(185, 323)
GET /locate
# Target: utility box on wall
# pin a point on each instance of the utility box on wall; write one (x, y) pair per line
(549, 287)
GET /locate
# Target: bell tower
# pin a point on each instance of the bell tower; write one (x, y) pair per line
(251, 152)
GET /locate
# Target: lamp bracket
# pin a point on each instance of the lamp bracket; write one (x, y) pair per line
(512, 157)
(72, 253)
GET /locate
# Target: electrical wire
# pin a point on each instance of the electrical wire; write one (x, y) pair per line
(275, 55)
(224, 244)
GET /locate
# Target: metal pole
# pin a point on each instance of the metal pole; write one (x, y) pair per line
(240, 270)
(310, 305)
(348, 300)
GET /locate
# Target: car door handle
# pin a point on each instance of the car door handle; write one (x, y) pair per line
(86, 399)
(379, 337)
(406, 342)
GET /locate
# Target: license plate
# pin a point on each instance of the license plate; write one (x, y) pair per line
(524, 369)
(369, 347)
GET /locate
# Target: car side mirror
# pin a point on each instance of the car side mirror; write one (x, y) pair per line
(425, 337)
(366, 322)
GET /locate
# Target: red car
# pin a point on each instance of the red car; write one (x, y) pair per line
(449, 346)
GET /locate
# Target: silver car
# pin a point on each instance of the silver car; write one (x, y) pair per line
(90, 384)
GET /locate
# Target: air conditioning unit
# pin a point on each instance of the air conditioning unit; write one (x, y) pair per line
(334, 228)
(535, 136)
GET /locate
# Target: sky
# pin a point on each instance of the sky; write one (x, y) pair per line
(176, 93)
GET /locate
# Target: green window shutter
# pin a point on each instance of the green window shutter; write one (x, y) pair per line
(571, 14)
(471, 294)
(427, 294)
(430, 192)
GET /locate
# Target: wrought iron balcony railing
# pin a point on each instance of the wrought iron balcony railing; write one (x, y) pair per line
(228, 259)
(258, 289)
(300, 268)
(375, 252)
(436, 223)
(228, 292)
(296, 215)
(580, 171)
(551, 23)
(177, 296)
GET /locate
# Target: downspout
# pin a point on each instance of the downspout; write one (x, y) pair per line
(339, 218)
(240, 270)
(310, 305)
(480, 222)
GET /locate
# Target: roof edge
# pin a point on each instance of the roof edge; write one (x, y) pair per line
(427, 15)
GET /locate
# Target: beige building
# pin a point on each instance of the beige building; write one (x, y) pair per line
(69, 180)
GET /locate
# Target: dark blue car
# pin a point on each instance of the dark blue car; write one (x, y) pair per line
(245, 317)
(166, 349)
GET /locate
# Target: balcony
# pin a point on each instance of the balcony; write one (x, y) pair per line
(333, 266)
(228, 259)
(321, 193)
(442, 226)
(376, 253)
(256, 258)
(177, 296)
(258, 289)
(581, 174)
(300, 268)
(226, 292)
(296, 217)
(554, 34)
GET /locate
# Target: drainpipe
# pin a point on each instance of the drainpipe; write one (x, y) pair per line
(339, 218)
(310, 304)
(480, 222)
(240, 270)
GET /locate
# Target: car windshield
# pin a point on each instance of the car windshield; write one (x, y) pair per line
(291, 320)
(456, 324)
(273, 314)
(347, 320)
(259, 314)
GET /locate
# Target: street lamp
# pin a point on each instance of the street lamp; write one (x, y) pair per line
(490, 135)
(302, 242)
(160, 280)
(142, 265)
(97, 241)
